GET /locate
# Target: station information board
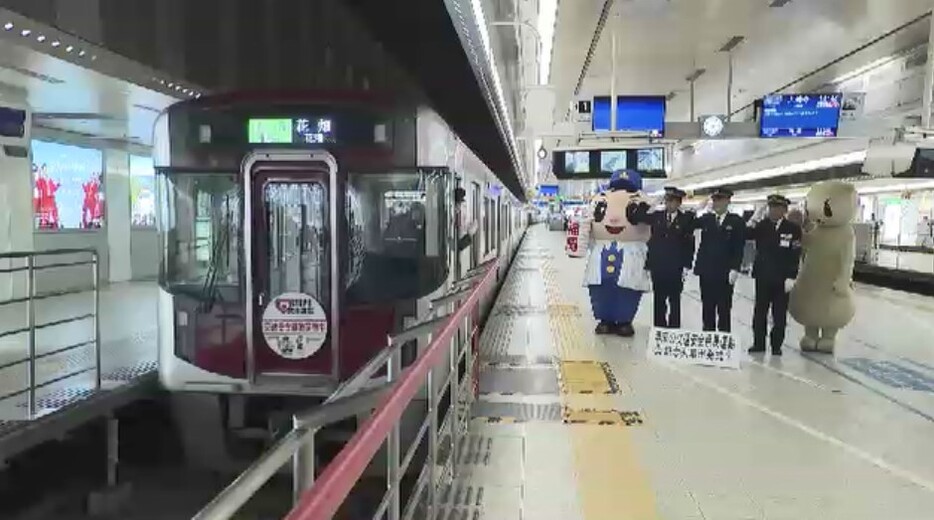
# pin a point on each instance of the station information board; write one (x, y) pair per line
(800, 115)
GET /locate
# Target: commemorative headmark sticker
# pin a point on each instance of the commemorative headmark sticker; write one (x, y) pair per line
(295, 325)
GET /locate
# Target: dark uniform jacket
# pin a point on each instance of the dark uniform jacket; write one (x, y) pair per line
(671, 248)
(778, 250)
(721, 245)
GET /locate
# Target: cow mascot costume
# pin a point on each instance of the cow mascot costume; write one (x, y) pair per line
(822, 298)
(616, 275)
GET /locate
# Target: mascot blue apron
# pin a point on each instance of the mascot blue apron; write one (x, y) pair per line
(616, 274)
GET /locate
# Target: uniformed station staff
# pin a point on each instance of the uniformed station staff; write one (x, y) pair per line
(778, 255)
(719, 257)
(670, 256)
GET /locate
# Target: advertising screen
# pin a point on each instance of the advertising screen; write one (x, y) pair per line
(641, 114)
(800, 115)
(650, 159)
(577, 162)
(142, 192)
(67, 186)
(613, 160)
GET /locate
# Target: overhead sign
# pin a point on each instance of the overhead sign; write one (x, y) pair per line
(716, 349)
(854, 104)
(800, 115)
(294, 325)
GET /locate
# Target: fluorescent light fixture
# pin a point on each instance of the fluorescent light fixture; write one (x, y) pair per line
(806, 166)
(497, 85)
(864, 69)
(69, 48)
(861, 188)
(81, 53)
(7, 26)
(40, 38)
(56, 43)
(25, 32)
(547, 19)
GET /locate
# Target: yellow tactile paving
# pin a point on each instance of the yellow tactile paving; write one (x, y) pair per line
(612, 484)
(601, 417)
(586, 377)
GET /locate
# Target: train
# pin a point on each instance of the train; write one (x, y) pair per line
(298, 230)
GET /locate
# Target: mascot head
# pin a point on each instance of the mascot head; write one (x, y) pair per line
(611, 210)
(832, 203)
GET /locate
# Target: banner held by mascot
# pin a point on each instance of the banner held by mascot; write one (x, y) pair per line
(822, 298)
(619, 232)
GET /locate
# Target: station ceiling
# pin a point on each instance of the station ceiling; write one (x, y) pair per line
(777, 45)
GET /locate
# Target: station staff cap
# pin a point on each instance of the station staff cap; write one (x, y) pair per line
(778, 200)
(628, 180)
(674, 193)
(724, 193)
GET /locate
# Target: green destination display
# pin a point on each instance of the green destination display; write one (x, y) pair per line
(277, 131)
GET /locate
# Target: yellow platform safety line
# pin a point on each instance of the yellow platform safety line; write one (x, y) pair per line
(612, 485)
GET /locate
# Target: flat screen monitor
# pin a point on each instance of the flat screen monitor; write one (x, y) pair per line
(577, 162)
(613, 160)
(641, 114)
(800, 115)
(601, 118)
(67, 186)
(12, 122)
(650, 159)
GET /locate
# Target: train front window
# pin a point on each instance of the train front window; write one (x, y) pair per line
(200, 232)
(399, 234)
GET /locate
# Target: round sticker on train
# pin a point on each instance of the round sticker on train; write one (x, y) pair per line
(295, 325)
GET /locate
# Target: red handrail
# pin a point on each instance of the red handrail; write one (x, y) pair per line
(330, 490)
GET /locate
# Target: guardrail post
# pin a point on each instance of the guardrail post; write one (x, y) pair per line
(454, 384)
(31, 323)
(432, 446)
(96, 276)
(393, 455)
(303, 463)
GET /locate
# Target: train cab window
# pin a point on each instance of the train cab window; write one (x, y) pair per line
(200, 221)
(398, 242)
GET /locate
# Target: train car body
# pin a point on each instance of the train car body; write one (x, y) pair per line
(298, 230)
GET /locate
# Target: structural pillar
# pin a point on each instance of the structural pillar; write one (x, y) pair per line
(117, 195)
(928, 94)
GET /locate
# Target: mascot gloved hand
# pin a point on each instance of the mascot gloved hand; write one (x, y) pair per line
(822, 298)
(616, 274)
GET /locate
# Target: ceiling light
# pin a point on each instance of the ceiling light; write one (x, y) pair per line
(25, 32)
(864, 69)
(40, 38)
(56, 43)
(547, 19)
(81, 53)
(7, 26)
(94, 57)
(171, 85)
(806, 166)
(69, 48)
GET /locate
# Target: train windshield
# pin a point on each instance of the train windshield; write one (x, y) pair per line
(201, 232)
(397, 234)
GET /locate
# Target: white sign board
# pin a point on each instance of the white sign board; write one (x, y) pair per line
(295, 325)
(716, 349)
(854, 104)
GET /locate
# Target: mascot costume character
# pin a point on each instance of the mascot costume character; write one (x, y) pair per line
(616, 273)
(822, 298)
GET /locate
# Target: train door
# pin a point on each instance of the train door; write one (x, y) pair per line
(292, 272)
(477, 216)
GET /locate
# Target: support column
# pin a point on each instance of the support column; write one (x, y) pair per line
(928, 94)
(117, 195)
(16, 192)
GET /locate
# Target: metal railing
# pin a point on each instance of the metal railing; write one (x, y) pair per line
(29, 264)
(451, 333)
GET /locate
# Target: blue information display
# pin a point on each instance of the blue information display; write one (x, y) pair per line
(800, 115)
(548, 190)
(641, 114)
(601, 117)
